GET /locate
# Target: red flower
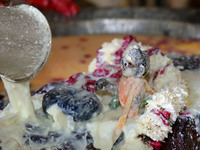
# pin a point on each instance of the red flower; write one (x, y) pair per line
(152, 51)
(66, 7)
(118, 54)
(160, 71)
(72, 80)
(89, 86)
(164, 115)
(156, 145)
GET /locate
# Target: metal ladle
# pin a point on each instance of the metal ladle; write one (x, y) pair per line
(25, 42)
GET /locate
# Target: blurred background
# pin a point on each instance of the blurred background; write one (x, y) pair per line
(177, 4)
(176, 18)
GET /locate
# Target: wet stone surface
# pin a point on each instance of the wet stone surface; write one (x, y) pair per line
(49, 86)
(57, 141)
(79, 104)
(3, 101)
(184, 136)
(187, 62)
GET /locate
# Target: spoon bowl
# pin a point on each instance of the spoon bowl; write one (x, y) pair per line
(25, 42)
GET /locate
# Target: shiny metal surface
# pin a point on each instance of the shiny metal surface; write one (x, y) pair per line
(130, 26)
(25, 42)
(164, 22)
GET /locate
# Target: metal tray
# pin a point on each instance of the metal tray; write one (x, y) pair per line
(164, 22)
